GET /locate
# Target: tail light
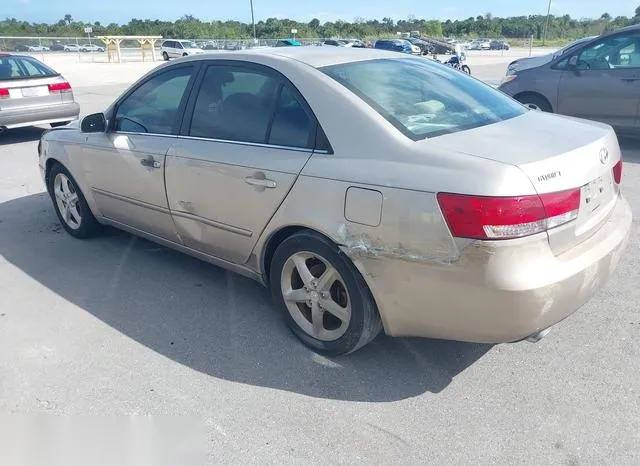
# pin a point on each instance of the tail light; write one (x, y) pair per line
(617, 170)
(493, 218)
(60, 87)
(4, 93)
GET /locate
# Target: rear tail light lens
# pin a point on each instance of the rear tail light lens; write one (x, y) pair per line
(60, 87)
(4, 93)
(617, 170)
(491, 218)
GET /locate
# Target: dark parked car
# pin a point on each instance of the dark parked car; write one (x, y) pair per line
(598, 79)
(394, 45)
(498, 45)
(425, 47)
(57, 47)
(22, 48)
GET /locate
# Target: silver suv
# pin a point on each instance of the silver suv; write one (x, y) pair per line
(179, 48)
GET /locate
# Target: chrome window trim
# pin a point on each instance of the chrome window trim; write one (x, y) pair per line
(134, 133)
(226, 141)
(251, 144)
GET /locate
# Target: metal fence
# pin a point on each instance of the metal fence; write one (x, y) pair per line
(87, 43)
(93, 49)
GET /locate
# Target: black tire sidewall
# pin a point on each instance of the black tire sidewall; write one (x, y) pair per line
(538, 101)
(165, 55)
(89, 226)
(362, 304)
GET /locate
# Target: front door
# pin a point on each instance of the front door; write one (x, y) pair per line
(249, 137)
(605, 84)
(126, 164)
(178, 50)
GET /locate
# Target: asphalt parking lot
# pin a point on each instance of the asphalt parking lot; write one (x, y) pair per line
(119, 325)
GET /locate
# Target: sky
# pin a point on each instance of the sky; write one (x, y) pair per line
(121, 11)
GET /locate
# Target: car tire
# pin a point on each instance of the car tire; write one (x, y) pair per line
(60, 123)
(331, 309)
(535, 102)
(185, 54)
(70, 204)
(165, 56)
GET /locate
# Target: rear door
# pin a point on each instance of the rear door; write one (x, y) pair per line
(249, 135)
(27, 83)
(605, 85)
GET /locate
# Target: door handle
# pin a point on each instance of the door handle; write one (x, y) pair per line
(150, 162)
(260, 181)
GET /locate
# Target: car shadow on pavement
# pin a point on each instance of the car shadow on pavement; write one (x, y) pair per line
(209, 319)
(27, 134)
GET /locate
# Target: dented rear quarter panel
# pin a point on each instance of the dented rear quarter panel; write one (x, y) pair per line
(411, 227)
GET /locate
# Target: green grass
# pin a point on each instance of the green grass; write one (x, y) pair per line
(555, 43)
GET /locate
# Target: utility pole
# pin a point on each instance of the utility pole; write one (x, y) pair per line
(253, 22)
(546, 25)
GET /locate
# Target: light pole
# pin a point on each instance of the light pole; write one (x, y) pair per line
(546, 25)
(253, 22)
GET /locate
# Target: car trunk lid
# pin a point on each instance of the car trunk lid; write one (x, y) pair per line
(34, 92)
(557, 154)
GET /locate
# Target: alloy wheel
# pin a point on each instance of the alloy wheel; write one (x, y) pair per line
(316, 296)
(67, 201)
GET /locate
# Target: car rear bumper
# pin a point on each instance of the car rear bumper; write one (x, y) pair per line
(39, 115)
(494, 292)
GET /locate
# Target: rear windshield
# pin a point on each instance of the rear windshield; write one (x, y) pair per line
(13, 67)
(423, 98)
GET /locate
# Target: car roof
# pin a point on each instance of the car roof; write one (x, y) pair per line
(16, 55)
(633, 27)
(315, 57)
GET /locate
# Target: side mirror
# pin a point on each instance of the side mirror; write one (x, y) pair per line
(573, 62)
(95, 123)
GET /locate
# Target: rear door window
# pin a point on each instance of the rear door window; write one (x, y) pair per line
(291, 125)
(251, 105)
(234, 104)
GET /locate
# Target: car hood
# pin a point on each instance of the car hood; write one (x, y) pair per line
(530, 62)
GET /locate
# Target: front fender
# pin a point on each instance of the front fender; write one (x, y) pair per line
(64, 145)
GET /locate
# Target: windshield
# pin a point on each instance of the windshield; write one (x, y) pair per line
(570, 46)
(15, 67)
(187, 44)
(423, 98)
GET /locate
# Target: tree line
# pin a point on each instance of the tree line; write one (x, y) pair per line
(188, 26)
